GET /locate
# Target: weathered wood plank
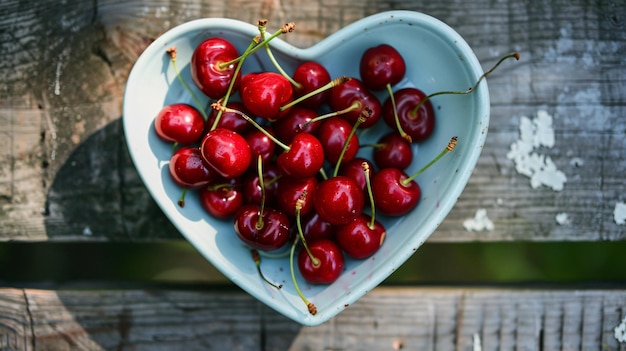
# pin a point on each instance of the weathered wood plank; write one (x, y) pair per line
(65, 173)
(435, 318)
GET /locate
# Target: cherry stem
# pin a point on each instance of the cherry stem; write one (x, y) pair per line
(218, 106)
(259, 43)
(392, 98)
(310, 306)
(299, 204)
(448, 148)
(262, 25)
(231, 85)
(352, 107)
(515, 55)
(181, 199)
(172, 52)
(257, 261)
(259, 223)
(333, 83)
(368, 184)
(364, 114)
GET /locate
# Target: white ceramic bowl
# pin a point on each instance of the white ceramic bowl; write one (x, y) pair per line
(437, 59)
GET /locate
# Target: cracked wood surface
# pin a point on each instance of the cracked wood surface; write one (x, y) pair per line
(65, 173)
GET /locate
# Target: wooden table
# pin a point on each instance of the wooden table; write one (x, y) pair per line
(66, 176)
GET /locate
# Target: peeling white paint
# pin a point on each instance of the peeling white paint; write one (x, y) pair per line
(480, 222)
(619, 213)
(563, 219)
(477, 346)
(620, 331)
(535, 134)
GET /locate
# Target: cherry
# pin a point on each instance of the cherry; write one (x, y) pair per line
(314, 227)
(252, 188)
(333, 133)
(351, 99)
(381, 66)
(338, 200)
(416, 117)
(291, 189)
(229, 120)
(213, 68)
(304, 157)
(354, 169)
(310, 76)
(222, 200)
(260, 145)
(179, 123)
(264, 93)
(392, 150)
(189, 170)
(358, 239)
(325, 265)
(265, 230)
(226, 151)
(297, 120)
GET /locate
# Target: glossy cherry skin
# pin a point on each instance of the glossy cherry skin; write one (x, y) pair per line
(251, 185)
(333, 134)
(205, 67)
(314, 227)
(354, 169)
(381, 65)
(338, 200)
(330, 262)
(420, 125)
(311, 75)
(296, 121)
(260, 145)
(264, 93)
(274, 233)
(304, 158)
(391, 196)
(179, 123)
(230, 120)
(354, 91)
(358, 240)
(226, 151)
(393, 151)
(188, 169)
(291, 189)
(221, 202)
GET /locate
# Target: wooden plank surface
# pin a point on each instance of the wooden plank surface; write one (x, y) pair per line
(435, 318)
(65, 173)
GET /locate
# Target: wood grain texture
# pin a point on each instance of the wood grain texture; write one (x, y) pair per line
(65, 173)
(423, 319)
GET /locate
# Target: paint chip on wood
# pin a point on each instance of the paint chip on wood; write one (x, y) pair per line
(620, 331)
(563, 219)
(619, 214)
(534, 135)
(480, 222)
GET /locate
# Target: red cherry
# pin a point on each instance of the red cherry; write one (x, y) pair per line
(296, 121)
(271, 234)
(353, 94)
(354, 169)
(291, 189)
(380, 66)
(206, 67)
(311, 76)
(226, 151)
(314, 227)
(329, 259)
(338, 200)
(333, 134)
(419, 125)
(260, 145)
(304, 158)
(252, 188)
(188, 169)
(264, 93)
(221, 201)
(393, 151)
(391, 195)
(358, 240)
(230, 120)
(179, 123)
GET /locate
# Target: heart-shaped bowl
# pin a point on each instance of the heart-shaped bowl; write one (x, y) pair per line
(437, 59)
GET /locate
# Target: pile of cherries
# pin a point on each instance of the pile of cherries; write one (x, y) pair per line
(278, 154)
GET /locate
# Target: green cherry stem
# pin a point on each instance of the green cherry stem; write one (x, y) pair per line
(257, 261)
(364, 115)
(515, 55)
(289, 27)
(262, 25)
(368, 184)
(310, 306)
(172, 52)
(333, 83)
(392, 98)
(299, 204)
(451, 145)
(259, 223)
